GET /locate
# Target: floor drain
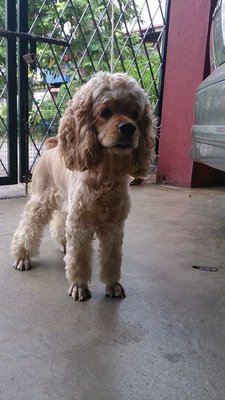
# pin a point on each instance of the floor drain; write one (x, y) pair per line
(204, 268)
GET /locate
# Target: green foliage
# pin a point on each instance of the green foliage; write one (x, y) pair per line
(3, 119)
(83, 24)
(139, 69)
(49, 112)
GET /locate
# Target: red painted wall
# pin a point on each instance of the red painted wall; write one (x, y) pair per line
(187, 43)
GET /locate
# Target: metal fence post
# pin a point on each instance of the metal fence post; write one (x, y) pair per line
(23, 92)
(162, 75)
(10, 24)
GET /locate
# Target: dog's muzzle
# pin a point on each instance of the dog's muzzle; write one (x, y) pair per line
(126, 131)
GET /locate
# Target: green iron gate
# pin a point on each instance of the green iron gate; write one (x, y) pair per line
(48, 48)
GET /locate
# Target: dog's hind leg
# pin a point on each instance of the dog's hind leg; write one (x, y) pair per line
(58, 228)
(37, 213)
(27, 238)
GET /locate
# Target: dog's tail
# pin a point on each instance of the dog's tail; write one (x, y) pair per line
(51, 142)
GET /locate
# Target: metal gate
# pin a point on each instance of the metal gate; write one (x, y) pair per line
(48, 48)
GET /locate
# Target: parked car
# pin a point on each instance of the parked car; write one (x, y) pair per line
(208, 133)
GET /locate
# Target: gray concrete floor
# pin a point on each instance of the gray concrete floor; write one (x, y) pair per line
(165, 341)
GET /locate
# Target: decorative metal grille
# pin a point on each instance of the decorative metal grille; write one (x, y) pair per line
(4, 161)
(119, 35)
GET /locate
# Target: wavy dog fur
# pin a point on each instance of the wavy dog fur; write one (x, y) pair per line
(80, 184)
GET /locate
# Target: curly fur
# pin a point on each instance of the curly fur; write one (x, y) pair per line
(81, 182)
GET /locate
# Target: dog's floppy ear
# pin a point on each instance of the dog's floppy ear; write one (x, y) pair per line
(78, 142)
(142, 154)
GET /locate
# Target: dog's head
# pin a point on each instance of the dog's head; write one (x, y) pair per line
(109, 116)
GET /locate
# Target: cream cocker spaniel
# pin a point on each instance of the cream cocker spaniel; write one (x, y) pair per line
(80, 183)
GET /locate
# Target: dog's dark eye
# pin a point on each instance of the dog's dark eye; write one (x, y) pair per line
(135, 115)
(106, 113)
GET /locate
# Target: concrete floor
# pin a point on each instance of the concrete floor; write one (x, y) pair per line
(165, 341)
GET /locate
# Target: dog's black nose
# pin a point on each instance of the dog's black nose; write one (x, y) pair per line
(127, 129)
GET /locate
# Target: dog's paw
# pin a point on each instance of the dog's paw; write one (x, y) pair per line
(63, 249)
(79, 292)
(22, 264)
(115, 290)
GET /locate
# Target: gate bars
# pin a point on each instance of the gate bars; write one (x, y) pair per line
(60, 45)
(9, 123)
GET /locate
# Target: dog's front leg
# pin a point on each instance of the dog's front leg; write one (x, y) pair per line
(110, 258)
(78, 258)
